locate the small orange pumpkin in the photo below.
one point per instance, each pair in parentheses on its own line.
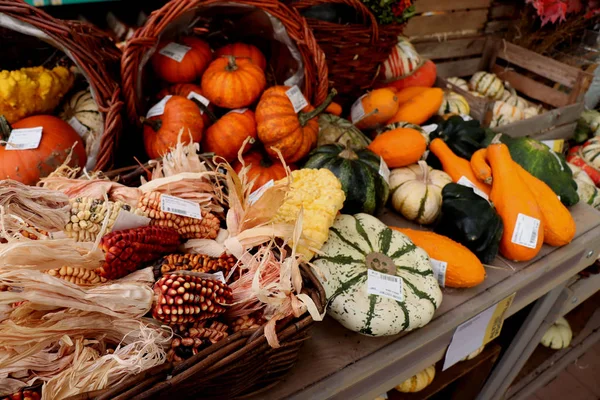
(399,147)
(279,126)
(379,106)
(184,90)
(226,136)
(161,132)
(28,166)
(242,50)
(231,83)
(262,168)
(190,68)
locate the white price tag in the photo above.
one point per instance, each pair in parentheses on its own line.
(297,98)
(385,285)
(24,139)
(175,205)
(357,112)
(158,108)
(430,128)
(466,117)
(175,51)
(200,98)
(128,220)
(238,111)
(257,194)
(466,182)
(81,129)
(555,145)
(439,271)
(384,171)
(526,231)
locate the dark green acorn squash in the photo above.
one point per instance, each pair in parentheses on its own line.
(358,171)
(470,220)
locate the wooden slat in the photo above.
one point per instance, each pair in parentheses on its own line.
(479,106)
(532,88)
(451,48)
(458,68)
(534,62)
(501,11)
(446,22)
(543,123)
(447,5)
(560,132)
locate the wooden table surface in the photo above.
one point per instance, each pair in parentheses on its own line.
(337,363)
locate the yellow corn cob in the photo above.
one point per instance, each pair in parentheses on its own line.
(319,192)
(30,91)
(87,217)
(78,276)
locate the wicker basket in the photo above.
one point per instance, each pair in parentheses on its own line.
(242,364)
(142,45)
(354,51)
(90,49)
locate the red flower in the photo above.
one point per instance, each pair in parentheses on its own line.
(401,6)
(550,10)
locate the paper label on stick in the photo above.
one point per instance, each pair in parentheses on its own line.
(466,182)
(430,128)
(158,108)
(477,332)
(24,139)
(128,220)
(357,112)
(384,171)
(257,194)
(78,126)
(439,271)
(200,98)
(175,205)
(297,98)
(238,111)
(175,51)
(526,231)
(385,285)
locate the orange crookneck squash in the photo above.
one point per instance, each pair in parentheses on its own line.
(162,132)
(279,126)
(420,107)
(262,168)
(480,167)
(190,68)
(408,93)
(233,83)
(28,166)
(425,75)
(227,135)
(242,50)
(399,147)
(376,108)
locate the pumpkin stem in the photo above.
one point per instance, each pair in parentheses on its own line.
(266,161)
(5,130)
(205,109)
(155,124)
(496,139)
(305,117)
(231,65)
(348,154)
(424,170)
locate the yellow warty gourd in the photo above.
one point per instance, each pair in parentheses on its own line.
(319,193)
(30,91)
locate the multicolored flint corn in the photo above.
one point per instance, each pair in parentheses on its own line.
(190,340)
(193,262)
(78,276)
(88,215)
(252,321)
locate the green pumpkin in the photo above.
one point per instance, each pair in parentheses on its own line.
(362,242)
(359,172)
(336,130)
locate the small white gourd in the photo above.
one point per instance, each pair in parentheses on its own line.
(586,189)
(454,103)
(487,84)
(558,336)
(417,382)
(504,113)
(461,83)
(473,354)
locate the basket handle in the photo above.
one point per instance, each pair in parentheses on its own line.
(362,10)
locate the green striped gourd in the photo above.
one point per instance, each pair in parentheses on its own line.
(586,189)
(361,175)
(454,103)
(487,84)
(461,83)
(512,98)
(362,242)
(89,122)
(591,151)
(504,113)
(336,130)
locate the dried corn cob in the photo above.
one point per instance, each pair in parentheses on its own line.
(78,276)
(188,228)
(193,262)
(87,217)
(194,338)
(23,395)
(125,251)
(187,298)
(252,321)
(33,236)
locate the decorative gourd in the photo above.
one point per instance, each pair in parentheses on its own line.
(558,336)
(463,137)
(161,132)
(84,109)
(530,112)
(574,157)
(226,136)
(590,152)
(459,82)
(231,83)
(470,220)
(425,75)
(279,126)
(454,103)
(417,382)
(586,189)
(403,60)
(362,242)
(397,125)
(588,125)
(503,113)
(559,225)
(336,130)
(463,268)
(408,93)
(487,84)
(28,166)
(262,168)
(378,106)
(184,90)
(474,354)
(417,192)
(242,50)
(480,167)
(190,68)
(510,97)
(516,205)
(358,171)
(458,168)
(399,147)
(419,108)
(334,109)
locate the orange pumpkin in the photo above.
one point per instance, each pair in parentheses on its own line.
(242,50)
(378,107)
(161,132)
(231,83)
(190,68)
(262,168)
(279,126)
(184,90)
(28,166)
(425,75)
(226,136)
(399,147)
(334,109)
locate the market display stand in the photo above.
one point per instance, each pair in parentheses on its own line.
(338,364)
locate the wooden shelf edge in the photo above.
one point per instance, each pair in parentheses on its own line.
(580,291)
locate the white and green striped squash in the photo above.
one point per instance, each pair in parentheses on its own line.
(586,189)
(512,98)
(487,84)
(591,151)
(461,83)
(503,114)
(357,243)
(454,103)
